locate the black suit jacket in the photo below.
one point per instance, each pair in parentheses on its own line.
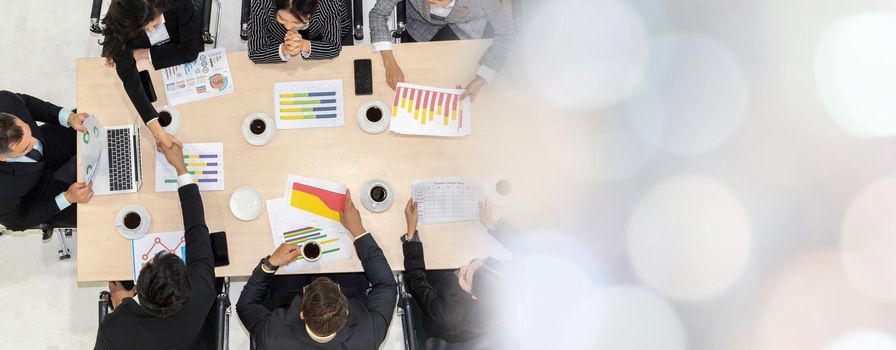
(367,323)
(129,327)
(26,189)
(184,25)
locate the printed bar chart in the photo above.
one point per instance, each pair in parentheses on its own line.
(309,104)
(424,110)
(204,161)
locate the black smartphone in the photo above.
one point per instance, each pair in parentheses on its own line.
(147,86)
(219,248)
(363,78)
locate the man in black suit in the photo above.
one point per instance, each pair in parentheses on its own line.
(37,163)
(320,316)
(175,299)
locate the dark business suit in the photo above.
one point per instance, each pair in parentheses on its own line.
(129,327)
(28,190)
(368,317)
(183,24)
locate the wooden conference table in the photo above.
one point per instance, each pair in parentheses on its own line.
(345,155)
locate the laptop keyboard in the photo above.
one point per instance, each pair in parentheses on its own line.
(120,178)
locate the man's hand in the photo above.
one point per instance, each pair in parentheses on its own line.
(118,293)
(485,215)
(141,54)
(79,193)
(76,120)
(163,138)
(394,75)
(473,88)
(410,215)
(351,218)
(175,156)
(284,254)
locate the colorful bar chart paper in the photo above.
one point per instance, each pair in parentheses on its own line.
(321,198)
(208,76)
(425,110)
(309,104)
(329,243)
(292,226)
(205,163)
(145,248)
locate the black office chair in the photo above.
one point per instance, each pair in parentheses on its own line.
(354,9)
(204,7)
(401,19)
(407,314)
(219,316)
(47,231)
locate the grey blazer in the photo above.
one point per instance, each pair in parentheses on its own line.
(467,19)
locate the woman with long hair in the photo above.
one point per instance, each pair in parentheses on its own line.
(282,29)
(165,32)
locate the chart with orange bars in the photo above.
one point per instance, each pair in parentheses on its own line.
(322,198)
(309,104)
(431,111)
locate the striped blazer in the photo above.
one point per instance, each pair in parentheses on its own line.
(467,19)
(325,30)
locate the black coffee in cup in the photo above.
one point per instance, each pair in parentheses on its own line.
(378,193)
(257,126)
(164,118)
(374,114)
(311,250)
(132,220)
(503,187)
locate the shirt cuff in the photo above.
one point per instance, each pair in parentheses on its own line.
(61,202)
(184,180)
(282,56)
(63,117)
(362,235)
(416,238)
(486,73)
(305,55)
(382,46)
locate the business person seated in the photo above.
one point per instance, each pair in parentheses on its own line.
(282,29)
(164,32)
(286,312)
(437,20)
(459,306)
(174,298)
(37,163)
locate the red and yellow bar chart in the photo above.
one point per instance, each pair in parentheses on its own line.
(425,110)
(308,104)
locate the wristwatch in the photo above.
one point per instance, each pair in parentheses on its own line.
(267,263)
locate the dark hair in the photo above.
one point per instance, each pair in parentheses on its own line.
(324,307)
(125,20)
(164,286)
(10,132)
(299,8)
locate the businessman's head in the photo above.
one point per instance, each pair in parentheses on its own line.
(164,285)
(294,14)
(324,307)
(15,137)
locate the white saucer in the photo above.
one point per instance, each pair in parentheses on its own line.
(266,136)
(140,230)
(374,206)
(176,122)
(246,203)
(369,126)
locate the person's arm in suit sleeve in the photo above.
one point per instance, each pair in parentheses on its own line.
(18,217)
(199,247)
(331,44)
(190,45)
(415,277)
(505,32)
(254,316)
(261,49)
(126,67)
(44,111)
(384,294)
(380,35)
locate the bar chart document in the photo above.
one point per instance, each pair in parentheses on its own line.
(204,161)
(447,199)
(323,199)
(206,77)
(309,104)
(430,111)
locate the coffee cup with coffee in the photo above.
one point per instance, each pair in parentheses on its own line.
(311,251)
(373,117)
(169,119)
(257,126)
(258,129)
(132,220)
(374,114)
(378,193)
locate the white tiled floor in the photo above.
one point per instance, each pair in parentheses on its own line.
(43,306)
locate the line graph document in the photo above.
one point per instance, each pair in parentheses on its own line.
(446,200)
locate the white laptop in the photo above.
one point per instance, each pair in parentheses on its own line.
(111,157)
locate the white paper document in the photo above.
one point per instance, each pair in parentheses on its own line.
(447,199)
(204,161)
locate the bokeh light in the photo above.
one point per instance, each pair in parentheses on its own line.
(856,74)
(694,95)
(869,240)
(867,340)
(689,237)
